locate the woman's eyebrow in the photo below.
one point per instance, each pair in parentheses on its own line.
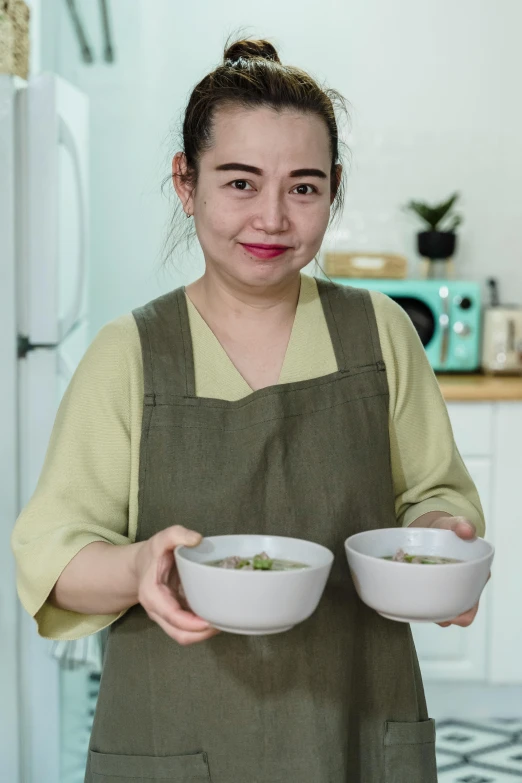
(259,172)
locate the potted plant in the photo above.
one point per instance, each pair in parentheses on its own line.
(439,241)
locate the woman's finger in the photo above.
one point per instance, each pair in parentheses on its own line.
(160,600)
(173,613)
(177,535)
(466,618)
(183,637)
(463,620)
(460,525)
(176,586)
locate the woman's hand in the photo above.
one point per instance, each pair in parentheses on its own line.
(159,587)
(464,529)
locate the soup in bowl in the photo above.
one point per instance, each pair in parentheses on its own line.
(253,584)
(416,574)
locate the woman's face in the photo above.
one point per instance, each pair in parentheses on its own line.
(265,181)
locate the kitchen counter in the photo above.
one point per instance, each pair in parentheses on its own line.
(477,388)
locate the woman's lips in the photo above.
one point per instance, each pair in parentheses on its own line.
(265,251)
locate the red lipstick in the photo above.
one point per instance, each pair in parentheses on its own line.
(265,251)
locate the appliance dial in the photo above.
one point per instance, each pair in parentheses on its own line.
(463,330)
(464,302)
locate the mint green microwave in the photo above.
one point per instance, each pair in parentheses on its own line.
(446,314)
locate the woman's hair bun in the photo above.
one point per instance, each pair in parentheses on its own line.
(247,50)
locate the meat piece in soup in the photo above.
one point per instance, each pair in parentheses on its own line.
(401,556)
(261,562)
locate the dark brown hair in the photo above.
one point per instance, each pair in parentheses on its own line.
(250,76)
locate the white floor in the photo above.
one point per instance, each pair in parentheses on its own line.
(479,751)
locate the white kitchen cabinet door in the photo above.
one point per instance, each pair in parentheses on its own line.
(456,653)
(505,633)
(473,427)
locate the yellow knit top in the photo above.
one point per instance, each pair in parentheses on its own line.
(88,487)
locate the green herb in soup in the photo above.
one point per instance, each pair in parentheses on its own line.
(401,556)
(261,562)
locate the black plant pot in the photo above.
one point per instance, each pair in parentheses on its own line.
(436,244)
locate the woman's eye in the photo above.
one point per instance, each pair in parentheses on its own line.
(240,184)
(302,190)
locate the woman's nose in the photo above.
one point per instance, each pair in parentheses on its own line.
(271,214)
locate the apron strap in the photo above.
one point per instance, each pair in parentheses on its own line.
(166,345)
(351,321)
(168,359)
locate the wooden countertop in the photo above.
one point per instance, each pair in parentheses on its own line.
(477,388)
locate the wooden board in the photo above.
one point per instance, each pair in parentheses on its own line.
(480,387)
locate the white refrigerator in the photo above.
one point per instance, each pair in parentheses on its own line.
(43,335)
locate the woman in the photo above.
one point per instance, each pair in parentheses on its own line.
(256,400)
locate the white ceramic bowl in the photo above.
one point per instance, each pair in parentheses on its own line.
(418,593)
(253,602)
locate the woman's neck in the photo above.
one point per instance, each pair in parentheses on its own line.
(253,328)
(225,303)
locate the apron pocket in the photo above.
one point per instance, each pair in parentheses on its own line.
(113,768)
(409,752)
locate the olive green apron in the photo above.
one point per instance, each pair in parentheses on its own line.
(337,699)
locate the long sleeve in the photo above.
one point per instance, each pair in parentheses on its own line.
(86,491)
(428,471)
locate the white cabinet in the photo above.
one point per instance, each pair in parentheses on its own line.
(505,628)
(489,438)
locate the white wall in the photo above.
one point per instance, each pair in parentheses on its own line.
(434,89)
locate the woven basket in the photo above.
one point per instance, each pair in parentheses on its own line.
(14,38)
(365,265)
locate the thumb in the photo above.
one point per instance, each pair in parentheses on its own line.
(460,525)
(182,536)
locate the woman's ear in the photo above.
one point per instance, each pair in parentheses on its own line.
(182,182)
(336,181)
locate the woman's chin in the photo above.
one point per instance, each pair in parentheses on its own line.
(268,274)
(249,271)
(268,271)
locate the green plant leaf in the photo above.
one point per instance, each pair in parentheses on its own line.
(422,210)
(441,210)
(433,215)
(455,223)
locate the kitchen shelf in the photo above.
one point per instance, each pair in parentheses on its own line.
(477,388)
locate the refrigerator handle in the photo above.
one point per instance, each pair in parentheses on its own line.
(68,322)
